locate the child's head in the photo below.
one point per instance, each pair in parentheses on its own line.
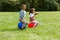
(32,10)
(23,6)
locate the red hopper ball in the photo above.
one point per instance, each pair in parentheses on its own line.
(31,25)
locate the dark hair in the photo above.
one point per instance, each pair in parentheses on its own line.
(31,10)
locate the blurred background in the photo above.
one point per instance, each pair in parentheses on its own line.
(40,5)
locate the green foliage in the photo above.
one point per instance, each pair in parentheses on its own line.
(40,5)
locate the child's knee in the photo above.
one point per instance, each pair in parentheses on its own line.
(25,22)
(36,22)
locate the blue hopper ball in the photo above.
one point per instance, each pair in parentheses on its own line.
(20,25)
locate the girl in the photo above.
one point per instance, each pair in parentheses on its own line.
(32,15)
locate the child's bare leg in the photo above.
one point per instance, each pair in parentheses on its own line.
(24,24)
(36,23)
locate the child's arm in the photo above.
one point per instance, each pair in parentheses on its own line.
(21,15)
(35,13)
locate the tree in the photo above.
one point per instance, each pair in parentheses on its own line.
(40,5)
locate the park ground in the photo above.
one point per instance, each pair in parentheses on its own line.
(48,28)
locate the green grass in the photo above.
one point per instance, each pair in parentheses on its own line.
(48,28)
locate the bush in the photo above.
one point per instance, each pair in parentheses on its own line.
(40,5)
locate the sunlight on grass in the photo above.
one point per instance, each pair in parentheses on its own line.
(48,28)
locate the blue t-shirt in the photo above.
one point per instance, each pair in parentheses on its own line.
(22,14)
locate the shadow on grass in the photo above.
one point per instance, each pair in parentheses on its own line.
(9,29)
(14,29)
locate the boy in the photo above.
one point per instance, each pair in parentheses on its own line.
(23,15)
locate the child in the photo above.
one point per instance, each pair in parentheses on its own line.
(23,15)
(32,15)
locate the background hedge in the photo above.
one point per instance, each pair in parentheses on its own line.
(40,5)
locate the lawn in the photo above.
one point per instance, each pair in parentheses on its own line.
(48,28)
